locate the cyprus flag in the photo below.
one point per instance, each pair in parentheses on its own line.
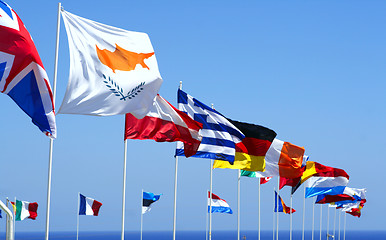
(112,71)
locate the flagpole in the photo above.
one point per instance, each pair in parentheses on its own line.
(238,204)
(51,140)
(291,219)
(124,190)
(304,210)
(334,221)
(313,221)
(320,228)
(344,228)
(175,197)
(210,198)
(339,225)
(259,208)
(277,209)
(141,213)
(328,220)
(274,214)
(175,190)
(77,218)
(206,207)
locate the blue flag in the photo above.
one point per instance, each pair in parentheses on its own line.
(219,136)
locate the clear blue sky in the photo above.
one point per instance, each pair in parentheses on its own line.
(313,71)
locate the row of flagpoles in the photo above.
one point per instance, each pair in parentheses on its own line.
(109,56)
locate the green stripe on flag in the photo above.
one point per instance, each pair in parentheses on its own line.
(19,207)
(247,173)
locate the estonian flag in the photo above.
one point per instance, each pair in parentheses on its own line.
(147,199)
(88,206)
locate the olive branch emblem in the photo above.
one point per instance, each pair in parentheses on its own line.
(118,91)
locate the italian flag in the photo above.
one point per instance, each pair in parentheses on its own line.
(23,210)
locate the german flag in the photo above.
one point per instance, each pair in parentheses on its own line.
(250,153)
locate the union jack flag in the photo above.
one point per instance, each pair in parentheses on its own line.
(22,75)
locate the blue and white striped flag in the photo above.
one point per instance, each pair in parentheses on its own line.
(219,136)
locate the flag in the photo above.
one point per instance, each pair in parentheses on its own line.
(22,75)
(283,159)
(356,210)
(251,151)
(112,71)
(219,136)
(147,199)
(292,182)
(329,182)
(280,206)
(253,175)
(23,210)
(265,180)
(165,123)
(349,195)
(88,206)
(218,204)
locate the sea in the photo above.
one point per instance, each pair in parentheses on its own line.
(200,235)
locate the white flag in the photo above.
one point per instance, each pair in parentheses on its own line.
(112,71)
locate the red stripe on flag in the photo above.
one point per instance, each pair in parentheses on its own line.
(33,210)
(95,207)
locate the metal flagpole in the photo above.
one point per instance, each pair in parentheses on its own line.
(304,210)
(124,190)
(259,209)
(344,228)
(77,218)
(141,212)
(328,220)
(51,140)
(206,223)
(210,198)
(277,209)
(238,204)
(175,190)
(313,220)
(320,228)
(274,215)
(291,218)
(334,222)
(175,198)
(339,225)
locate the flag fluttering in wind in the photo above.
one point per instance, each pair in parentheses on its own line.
(22,75)
(349,195)
(112,71)
(23,210)
(219,136)
(283,159)
(253,175)
(88,206)
(280,205)
(147,199)
(251,151)
(165,123)
(320,179)
(351,207)
(218,204)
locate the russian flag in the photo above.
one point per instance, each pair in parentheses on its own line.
(88,206)
(218,204)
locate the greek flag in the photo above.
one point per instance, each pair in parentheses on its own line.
(219,136)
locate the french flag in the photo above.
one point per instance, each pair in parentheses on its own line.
(88,206)
(218,204)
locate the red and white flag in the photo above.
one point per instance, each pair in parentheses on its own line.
(165,123)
